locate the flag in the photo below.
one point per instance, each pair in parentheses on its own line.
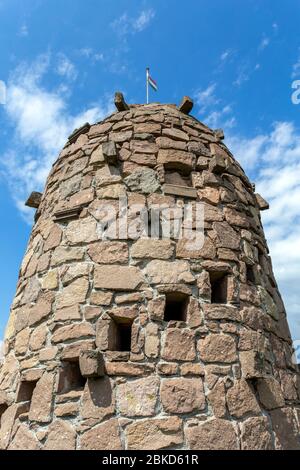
(152,83)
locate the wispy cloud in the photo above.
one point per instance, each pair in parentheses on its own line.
(23,30)
(226,55)
(91,54)
(42,121)
(143,20)
(221,117)
(215,112)
(264,43)
(273,159)
(125,25)
(243,75)
(66,68)
(206,97)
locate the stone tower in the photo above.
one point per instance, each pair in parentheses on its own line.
(118,341)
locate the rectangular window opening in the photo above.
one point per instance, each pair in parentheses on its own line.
(218,282)
(177,176)
(70,377)
(250,275)
(176,307)
(123,337)
(25,391)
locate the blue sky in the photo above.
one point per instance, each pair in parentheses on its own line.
(62,61)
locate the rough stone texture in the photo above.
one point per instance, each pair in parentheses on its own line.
(179,345)
(62,436)
(218,348)
(157,249)
(91,363)
(153,434)
(24,439)
(41,403)
(117,277)
(98,401)
(241,399)
(119,341)
(285,429)
(103,437)
(138,398)
(270,393)
(255,434)
(215,434)
(182,395)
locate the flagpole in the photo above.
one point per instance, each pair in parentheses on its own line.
(147,84)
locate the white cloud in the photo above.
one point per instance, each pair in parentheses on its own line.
(226,55)
(220,118)
(264,43)
(143,20)
(125,25)
(242,76)
(206,98)
(42,122)
(216,114)
(23,30)
(273,162)
(91,54)
(65,68)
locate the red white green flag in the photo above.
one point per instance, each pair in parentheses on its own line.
(152,83)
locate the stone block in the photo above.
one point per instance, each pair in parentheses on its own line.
(34,200)
(256,434)
(213,434)
(218,348)
(154,434)
(117,277)
(61,436)
(120,102)
(252,364)
(91,363)
(138,397)
(179,345)
(186,105)
(41,402)
(241,399)
(105,436)
(270,394)
(143,180)
(151,248)
(182,395)
(177,159)
(110,153)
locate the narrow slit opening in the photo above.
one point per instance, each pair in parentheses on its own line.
(218,282)
(123,337)
(250,275)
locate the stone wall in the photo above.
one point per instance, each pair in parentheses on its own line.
(219,375)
